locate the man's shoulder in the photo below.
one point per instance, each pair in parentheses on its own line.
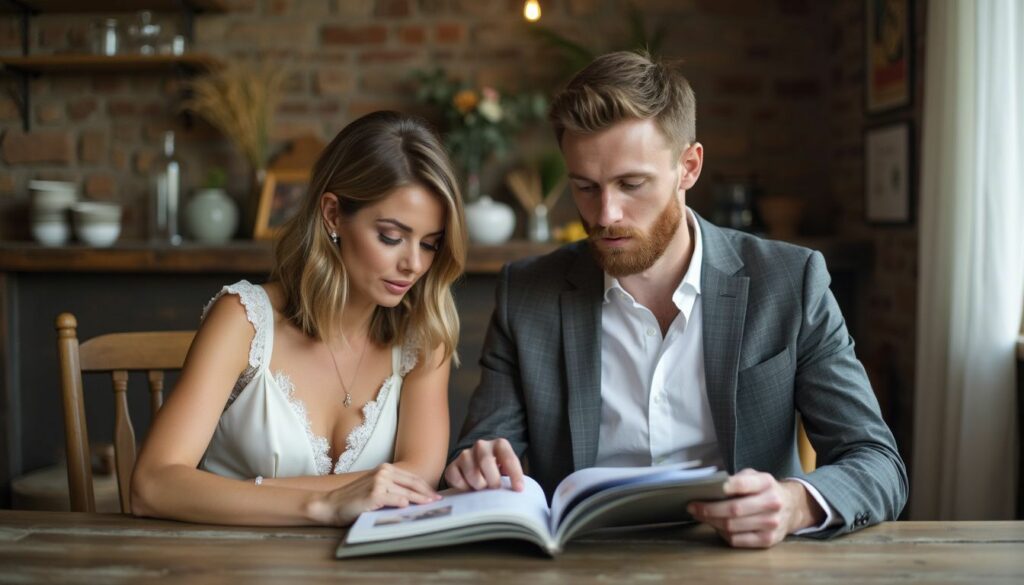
(762,254)
(551,267)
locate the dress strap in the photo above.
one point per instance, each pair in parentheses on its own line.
(259,312)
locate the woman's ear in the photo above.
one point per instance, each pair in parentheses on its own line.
(331,211)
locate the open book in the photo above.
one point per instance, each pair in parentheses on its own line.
(597,497)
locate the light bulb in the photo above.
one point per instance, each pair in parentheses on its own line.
(531,10)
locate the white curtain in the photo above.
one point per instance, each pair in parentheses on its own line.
(971,262)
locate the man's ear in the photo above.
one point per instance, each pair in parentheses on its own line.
(691,160)
(330,210)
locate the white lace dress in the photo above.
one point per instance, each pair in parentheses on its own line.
(264,430)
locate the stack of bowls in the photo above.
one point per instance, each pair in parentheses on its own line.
(50,203)
(97,224)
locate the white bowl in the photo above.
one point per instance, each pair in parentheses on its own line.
(51,233)
(93,212)
(53,195)
(100,235)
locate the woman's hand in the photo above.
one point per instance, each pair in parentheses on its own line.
(386,485)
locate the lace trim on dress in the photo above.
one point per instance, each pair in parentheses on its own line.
(359,436)
(320,445)
(259,315)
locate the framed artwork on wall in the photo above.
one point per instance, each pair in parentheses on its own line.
(888,54)
(280,199)
(888,177)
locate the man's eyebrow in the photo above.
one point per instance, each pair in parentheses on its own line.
(626,175)
(404,227)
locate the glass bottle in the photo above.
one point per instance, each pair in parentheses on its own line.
(167,194)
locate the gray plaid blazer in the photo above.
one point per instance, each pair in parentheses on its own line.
(775,343)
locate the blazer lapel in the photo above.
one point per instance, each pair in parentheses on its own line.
(724,306)
(581,334)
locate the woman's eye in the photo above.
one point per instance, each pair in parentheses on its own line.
(431,247)
(389,241)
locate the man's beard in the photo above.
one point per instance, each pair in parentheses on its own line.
(647,247)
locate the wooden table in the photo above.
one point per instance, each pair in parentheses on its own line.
(92,548)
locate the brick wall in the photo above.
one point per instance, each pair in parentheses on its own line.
(779,86)
(891,300)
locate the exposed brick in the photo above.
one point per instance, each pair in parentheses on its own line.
(334,81)
(93,146)
(294,108)
(387,56)
(269,34)
(81,108)
(478,8)
(122,107)
(46,146)
(49,113)
(108,84)
(739,85)
(10,34)
(233,6)
(329,108)
(144,160)
(358,108)
(52,34)
(449,33)
(412,35)
(101,186)
(7,184)
(8,110)
(356,8)
(797,88)
(354,35)
(126,132)
(579,7)
(119,158)
(393,8)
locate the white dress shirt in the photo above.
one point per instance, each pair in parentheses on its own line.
(654,400)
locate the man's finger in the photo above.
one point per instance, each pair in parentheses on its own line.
(453,476)
(759,503)
(747,483)
(488,467)
(509,463)
(470,472)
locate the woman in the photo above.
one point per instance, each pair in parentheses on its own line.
(280,415)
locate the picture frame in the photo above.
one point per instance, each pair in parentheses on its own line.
(888,174)
(280,198)
(889,54)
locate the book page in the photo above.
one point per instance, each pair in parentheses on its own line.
(457,509)
(580,484)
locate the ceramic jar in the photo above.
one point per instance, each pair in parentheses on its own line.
(211,216)
(489,222)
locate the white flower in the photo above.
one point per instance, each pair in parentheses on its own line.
(491,110)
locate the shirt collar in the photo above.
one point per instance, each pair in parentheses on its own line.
(690,281)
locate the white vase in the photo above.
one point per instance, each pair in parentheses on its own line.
(489,222)
(211,216)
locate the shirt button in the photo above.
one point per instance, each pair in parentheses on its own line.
(651,332)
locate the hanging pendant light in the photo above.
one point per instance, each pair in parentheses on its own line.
(531,10)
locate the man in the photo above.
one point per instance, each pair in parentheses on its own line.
(664,339)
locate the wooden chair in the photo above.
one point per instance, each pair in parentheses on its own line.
(117,354)
(808,458)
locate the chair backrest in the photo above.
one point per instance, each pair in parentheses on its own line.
(808,458)
(118,354)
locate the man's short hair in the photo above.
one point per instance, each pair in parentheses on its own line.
(627,85)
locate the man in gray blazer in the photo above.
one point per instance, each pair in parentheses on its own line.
(664,339)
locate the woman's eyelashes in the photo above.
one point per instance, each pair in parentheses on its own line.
(389,241)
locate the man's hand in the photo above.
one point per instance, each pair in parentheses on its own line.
(482,465)
(761,511)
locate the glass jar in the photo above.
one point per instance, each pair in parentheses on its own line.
(106,37)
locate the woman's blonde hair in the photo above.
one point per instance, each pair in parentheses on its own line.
(367,161)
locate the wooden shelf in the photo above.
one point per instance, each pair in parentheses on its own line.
(73,63)
(241,257)
(92,6)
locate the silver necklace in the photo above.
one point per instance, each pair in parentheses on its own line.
(348,395)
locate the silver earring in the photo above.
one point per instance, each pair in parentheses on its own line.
(334,238)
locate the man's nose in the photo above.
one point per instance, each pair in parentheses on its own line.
(610,212)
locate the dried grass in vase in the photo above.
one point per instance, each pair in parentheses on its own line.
(527,187)
(240,99)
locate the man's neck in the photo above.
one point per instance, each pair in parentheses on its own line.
(654,287)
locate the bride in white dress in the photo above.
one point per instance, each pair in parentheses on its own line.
(323,393)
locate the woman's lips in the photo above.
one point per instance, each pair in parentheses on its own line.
(397,286)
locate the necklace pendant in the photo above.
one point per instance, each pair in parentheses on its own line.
(348,400)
